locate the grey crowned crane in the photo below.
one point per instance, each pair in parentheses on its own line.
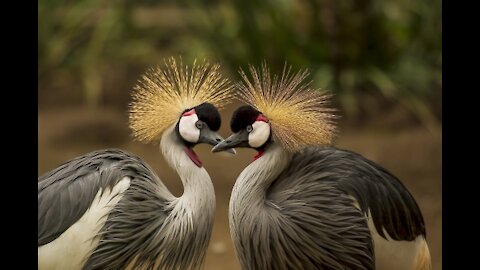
(109,210)
(303,204)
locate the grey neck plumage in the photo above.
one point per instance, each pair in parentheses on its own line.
(198,187)
(189,224)
(253,182)
(249,194)
(251,186)
(196,207)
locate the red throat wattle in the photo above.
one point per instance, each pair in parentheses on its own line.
(193,156)
(259,154)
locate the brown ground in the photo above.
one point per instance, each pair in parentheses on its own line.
(412,154)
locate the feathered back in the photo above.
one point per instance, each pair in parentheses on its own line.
(298,113)
(162,94)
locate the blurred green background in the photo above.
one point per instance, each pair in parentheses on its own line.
(372,54)
(382,60)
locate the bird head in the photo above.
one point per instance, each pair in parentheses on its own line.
(251,129)
(199,125)
(187,98)
(281,110)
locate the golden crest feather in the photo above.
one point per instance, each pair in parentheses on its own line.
(162,94)
(298,114)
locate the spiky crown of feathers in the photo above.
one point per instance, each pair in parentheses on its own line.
(162,94)
(298,113)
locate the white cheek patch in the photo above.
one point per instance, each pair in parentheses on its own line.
(259,134)
(187,128)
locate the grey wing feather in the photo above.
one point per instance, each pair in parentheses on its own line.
(65,193)
(320,228)
(391,205)
(134,227)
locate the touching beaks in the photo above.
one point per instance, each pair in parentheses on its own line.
(239,139)
(213,138)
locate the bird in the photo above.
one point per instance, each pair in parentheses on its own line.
(303,203)
(109,210)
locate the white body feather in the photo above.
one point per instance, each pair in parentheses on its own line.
(74,246)
(396,255)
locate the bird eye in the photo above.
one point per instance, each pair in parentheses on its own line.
(199,125)
(249,128)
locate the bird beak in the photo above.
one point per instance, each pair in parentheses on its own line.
(239,139)
(210,137)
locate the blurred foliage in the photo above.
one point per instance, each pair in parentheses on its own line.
(93,51)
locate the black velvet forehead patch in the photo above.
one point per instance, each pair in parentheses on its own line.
(242,117)
(210,115)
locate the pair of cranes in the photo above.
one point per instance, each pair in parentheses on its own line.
(301,204)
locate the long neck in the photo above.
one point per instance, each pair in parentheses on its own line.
(198,198)
(249,196)
(252,184)
(195,179)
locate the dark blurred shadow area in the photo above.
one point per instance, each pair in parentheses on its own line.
(381,60)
